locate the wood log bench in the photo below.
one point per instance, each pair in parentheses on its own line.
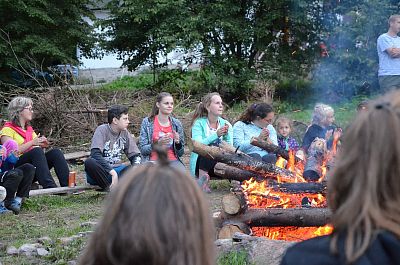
(62,190)
(77,157)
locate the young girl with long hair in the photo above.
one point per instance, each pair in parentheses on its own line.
(255,121)
(209,128)
(160,127)
(157,215)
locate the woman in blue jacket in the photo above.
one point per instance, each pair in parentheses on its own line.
(209,128)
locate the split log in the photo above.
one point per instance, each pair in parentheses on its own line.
(234,203)
(242,161)
(316,156)
(62,190)
(302,217)
(271,148)
(228,172)
(3,193)
(229,229)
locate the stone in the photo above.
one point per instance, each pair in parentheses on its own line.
(88,224)
(85,233)
(44,240)
(29,249)
(11,250)
(42,252)
(68,240)
(72,262)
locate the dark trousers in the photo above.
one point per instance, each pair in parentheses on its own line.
(98,174)
(43,163)
(17,182)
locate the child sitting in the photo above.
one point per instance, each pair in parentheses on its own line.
(322,126)
(285,127)
(17,182)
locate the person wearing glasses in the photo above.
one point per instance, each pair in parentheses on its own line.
(30,145)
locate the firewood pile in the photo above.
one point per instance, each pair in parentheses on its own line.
(67,115)
(270,197)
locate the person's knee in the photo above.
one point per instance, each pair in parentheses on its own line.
(90,163)
(55,154)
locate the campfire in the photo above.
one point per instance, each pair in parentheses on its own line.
(286,201)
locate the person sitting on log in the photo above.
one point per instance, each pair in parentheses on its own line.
(157,215)
(109,141)
(162,128)
(30,145)
(285,141)
(16,181)
(208,127)
(363,194)
(322,126)
(255,121)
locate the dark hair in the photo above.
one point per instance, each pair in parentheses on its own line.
(115,112)
(156,215)
(201,109)
(159,98)
(255,110)
(364,189)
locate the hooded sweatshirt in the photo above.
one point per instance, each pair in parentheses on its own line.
(384,250)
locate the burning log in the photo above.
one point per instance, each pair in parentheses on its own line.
(316,156)
(242,161)
(271,148)
(234,203)
(228,172)
(302,187)
(302,217)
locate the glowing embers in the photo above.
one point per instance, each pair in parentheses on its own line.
(291,193)
(291,233)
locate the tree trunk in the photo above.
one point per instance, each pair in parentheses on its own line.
(302,217)
(242,161)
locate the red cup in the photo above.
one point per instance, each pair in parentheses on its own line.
(72,179)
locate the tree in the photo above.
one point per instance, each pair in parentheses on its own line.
(44,31)
(230,34)
(351,62)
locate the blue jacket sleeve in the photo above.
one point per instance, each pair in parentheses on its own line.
(145,140)
(180,148)
(240,139)
(198,134)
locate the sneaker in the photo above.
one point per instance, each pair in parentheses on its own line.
(13,205)
(203,183)
(4,210)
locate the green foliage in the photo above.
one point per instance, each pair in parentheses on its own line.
(351,31)
(225,37)
(40,33)
(138,82)
(233,258)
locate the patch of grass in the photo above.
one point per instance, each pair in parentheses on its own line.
(234,258)
(138,82)
(220,185)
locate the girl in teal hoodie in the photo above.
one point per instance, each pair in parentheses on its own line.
(208,127)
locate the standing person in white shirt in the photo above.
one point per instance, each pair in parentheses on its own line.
(388,46)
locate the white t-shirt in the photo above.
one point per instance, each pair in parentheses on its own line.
(387,64)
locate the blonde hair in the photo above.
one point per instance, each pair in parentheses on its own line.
(320,113)
(364,189)
(201,109)
(16,106)
(283,119)
(156,215)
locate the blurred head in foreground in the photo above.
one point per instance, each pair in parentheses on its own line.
(156,215)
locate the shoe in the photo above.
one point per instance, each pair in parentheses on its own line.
(203,183)
(35,186)
(4,210)
(13,205)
